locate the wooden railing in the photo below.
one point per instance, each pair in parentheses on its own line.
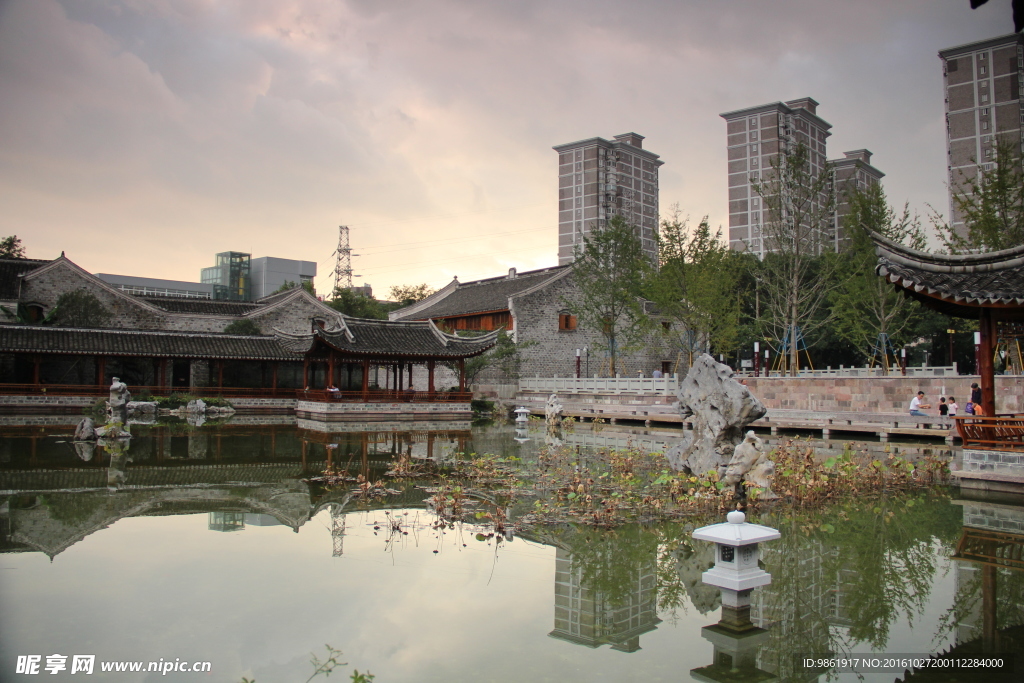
(385,396)
(996,433)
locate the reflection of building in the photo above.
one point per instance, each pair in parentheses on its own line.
(226,521)
(983,106)
(590,617)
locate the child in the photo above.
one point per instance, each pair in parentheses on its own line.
(952,407)
(943,408)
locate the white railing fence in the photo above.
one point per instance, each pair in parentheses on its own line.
(601,385)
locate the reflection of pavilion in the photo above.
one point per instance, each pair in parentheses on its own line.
(593,618)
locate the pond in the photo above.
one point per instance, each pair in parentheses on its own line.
(207,545)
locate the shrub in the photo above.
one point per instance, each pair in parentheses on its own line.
(244,327)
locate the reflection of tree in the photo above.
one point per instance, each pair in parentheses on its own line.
(870,564)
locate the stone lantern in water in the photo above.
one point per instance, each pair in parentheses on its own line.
(736,573)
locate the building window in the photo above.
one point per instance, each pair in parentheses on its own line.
(566,322)
(753,135)
(984,97)
(753,149)
(984,125)
(982,71)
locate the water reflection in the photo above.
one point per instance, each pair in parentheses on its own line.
(866,576)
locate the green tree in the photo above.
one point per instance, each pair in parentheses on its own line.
(288,284)
(243,326)
(506,356)
(410,294)
(696,287)
(797,274)
(609,273)
(866,305)
(991,205)
(80,308)
(356,305)
(11,247)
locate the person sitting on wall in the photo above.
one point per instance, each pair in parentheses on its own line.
(917,405)
(657,374)
(333,391)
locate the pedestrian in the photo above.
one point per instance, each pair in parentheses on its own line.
(953,407)
(943,408)
(917,405)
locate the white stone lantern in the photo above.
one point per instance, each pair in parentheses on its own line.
(736,571)
(522,414)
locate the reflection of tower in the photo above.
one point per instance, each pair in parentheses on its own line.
(226,521)
(337,530)
(587,616)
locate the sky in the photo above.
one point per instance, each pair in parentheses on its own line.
(141,137)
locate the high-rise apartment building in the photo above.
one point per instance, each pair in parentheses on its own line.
(852,173)
(599,179)
(983,82)
(755,136)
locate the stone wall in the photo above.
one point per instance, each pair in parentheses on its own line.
(878,394)
(554,353)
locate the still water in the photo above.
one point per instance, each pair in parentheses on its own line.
(206,545)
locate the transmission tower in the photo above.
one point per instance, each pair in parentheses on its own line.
(343,266)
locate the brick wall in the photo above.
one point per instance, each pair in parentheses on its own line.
(878,394)
(536,319)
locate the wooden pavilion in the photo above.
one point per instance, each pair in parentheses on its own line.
(989,288)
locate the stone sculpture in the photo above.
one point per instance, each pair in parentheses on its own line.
(86,430)
(117,404)
(719,409)
(553,411)
(749,463)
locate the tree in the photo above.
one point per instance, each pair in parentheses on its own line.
(609,272)
(80,308)
(410,294)
(867,306)
(11,247)
(356,305)
(288,284)
(991,204)
(696,286)
(243,326)
(506,355)
(797,273)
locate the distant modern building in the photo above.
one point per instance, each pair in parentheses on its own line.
(755,136)
(982,84)
(599,179)
(147,286)
(267,274)
(239,277)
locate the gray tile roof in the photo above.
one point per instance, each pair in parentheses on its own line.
(964,280)
(174,304)
(65,340)
(482,295)
(399,338)
(10,269)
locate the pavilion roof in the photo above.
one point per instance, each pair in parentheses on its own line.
(406,339)
(959,284)
(146,343)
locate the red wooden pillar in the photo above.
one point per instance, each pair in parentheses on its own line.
(989,632)
(273,377)
(366,377)
(220,374)
(430,376)
(462,374)
(305,373)
(410,375)
(101,371)
(988,390)
(35,371)
(399,377)
(330,370)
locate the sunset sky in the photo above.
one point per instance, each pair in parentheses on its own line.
(144,136)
